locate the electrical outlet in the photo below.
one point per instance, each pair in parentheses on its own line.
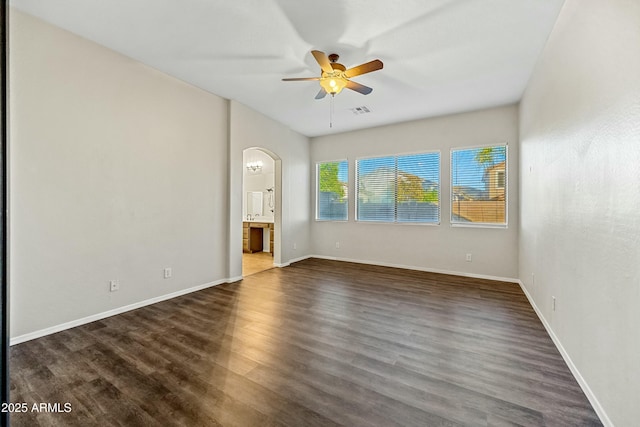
(167,273)
(337,245)
(553,303)
(114,285)
(295,246)
(468,257)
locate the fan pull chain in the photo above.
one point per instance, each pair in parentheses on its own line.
(331,113)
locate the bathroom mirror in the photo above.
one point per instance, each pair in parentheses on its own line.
(254,203)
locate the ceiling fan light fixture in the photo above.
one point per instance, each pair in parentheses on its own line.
(333,85)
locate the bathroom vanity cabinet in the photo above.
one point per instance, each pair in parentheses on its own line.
(253,236)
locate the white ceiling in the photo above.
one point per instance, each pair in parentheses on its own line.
(440,56)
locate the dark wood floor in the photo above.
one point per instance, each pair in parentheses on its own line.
(319,343)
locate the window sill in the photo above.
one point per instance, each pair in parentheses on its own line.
(398,223)
(477,225)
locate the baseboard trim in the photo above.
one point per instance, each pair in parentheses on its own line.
(604,418)
(412,267)
(72,324)
(291,261)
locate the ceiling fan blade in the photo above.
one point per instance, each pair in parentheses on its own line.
(299,79)
(323,61)
(365,90)
(367,67)
(321,94)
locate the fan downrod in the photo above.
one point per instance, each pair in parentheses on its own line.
(334,57)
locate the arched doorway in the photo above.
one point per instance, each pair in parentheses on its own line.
(261,210)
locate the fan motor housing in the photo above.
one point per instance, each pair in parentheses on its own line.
(333,58)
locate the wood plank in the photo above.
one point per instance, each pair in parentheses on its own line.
(317,343)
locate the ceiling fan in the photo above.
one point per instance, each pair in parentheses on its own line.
(335,77)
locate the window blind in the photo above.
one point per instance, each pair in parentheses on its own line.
(478,185)
(418,188)
(399,188)
(376,184)
(332,191)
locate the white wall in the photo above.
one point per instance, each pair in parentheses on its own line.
(117,171)
(437,248)
(250,129)
(580,192)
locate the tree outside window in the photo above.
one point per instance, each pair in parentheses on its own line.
(332,191)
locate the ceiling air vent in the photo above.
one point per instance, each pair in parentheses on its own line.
(360,110)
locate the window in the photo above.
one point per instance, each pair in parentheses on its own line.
(332,191)
(478,185)
(399,188)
